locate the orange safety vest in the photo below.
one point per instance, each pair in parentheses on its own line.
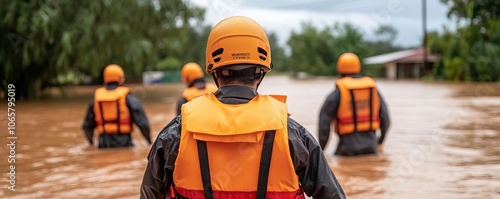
(111,112)
(229,150)
(359,105)
(193,92)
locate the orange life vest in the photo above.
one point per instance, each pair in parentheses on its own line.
(225,150)
(193,92)
(359,105)
(111,112)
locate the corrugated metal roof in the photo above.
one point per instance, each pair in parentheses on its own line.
(389,57)
(418,57)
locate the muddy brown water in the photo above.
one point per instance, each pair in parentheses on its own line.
(444,142)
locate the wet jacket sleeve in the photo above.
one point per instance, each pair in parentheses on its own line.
(315,175)
(179,104)
(327,115)
(139,116)
(161,159)
(89,123)
(385,121)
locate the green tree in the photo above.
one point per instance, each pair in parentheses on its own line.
(470,53)
(278,53)
(308,47)
(44,40)
(316,50)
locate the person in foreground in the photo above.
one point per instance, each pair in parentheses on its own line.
(113,112)
(236,143)
(193,77)
(357,110)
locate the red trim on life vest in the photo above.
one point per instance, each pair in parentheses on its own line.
(123,121)
(195,194)
(360,119)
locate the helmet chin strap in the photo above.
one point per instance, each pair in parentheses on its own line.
(262,74)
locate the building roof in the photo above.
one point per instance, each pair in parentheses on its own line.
(404,56)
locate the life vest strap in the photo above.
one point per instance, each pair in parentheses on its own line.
(205,169)
(371,106)
(354,110)
(102,118)
(118,115)
(118,121)
(265,164)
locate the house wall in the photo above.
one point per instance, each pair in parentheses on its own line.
(391,72)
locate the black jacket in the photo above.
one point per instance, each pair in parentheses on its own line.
(359,143)
(311,167)
(138,117)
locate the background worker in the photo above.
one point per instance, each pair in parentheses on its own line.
(357,110)
(113,112)
(236,143)
(193,78)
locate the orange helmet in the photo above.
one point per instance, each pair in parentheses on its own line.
(190,72)
(348,63)
(237,40)
(114,73)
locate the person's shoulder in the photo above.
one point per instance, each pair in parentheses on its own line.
(132,97)
(294,127)
(298,134)
(292,123)
(171,130)
(100,88)
(370,78)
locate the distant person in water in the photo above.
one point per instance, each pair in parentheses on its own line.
(193,77)
(113,111)
(357,110)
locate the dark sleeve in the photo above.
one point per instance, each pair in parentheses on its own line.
(161,159)
(326,116)
(385,121)
(139,116)
(315,175)
(89,123)
(181,101)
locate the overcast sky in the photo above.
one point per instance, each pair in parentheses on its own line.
(283,17)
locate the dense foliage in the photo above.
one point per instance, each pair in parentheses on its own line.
(470,53)
(57,42)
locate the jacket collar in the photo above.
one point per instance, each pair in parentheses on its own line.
(235,94)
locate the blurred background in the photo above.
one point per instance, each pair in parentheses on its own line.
(437,64)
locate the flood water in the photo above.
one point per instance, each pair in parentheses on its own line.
(444,142)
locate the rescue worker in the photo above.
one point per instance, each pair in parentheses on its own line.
(236,143)
(357,110)
(193,77)
(113,112)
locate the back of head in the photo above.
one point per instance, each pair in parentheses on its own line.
(191,71)
(348,64)
(114,73)
(238,46)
